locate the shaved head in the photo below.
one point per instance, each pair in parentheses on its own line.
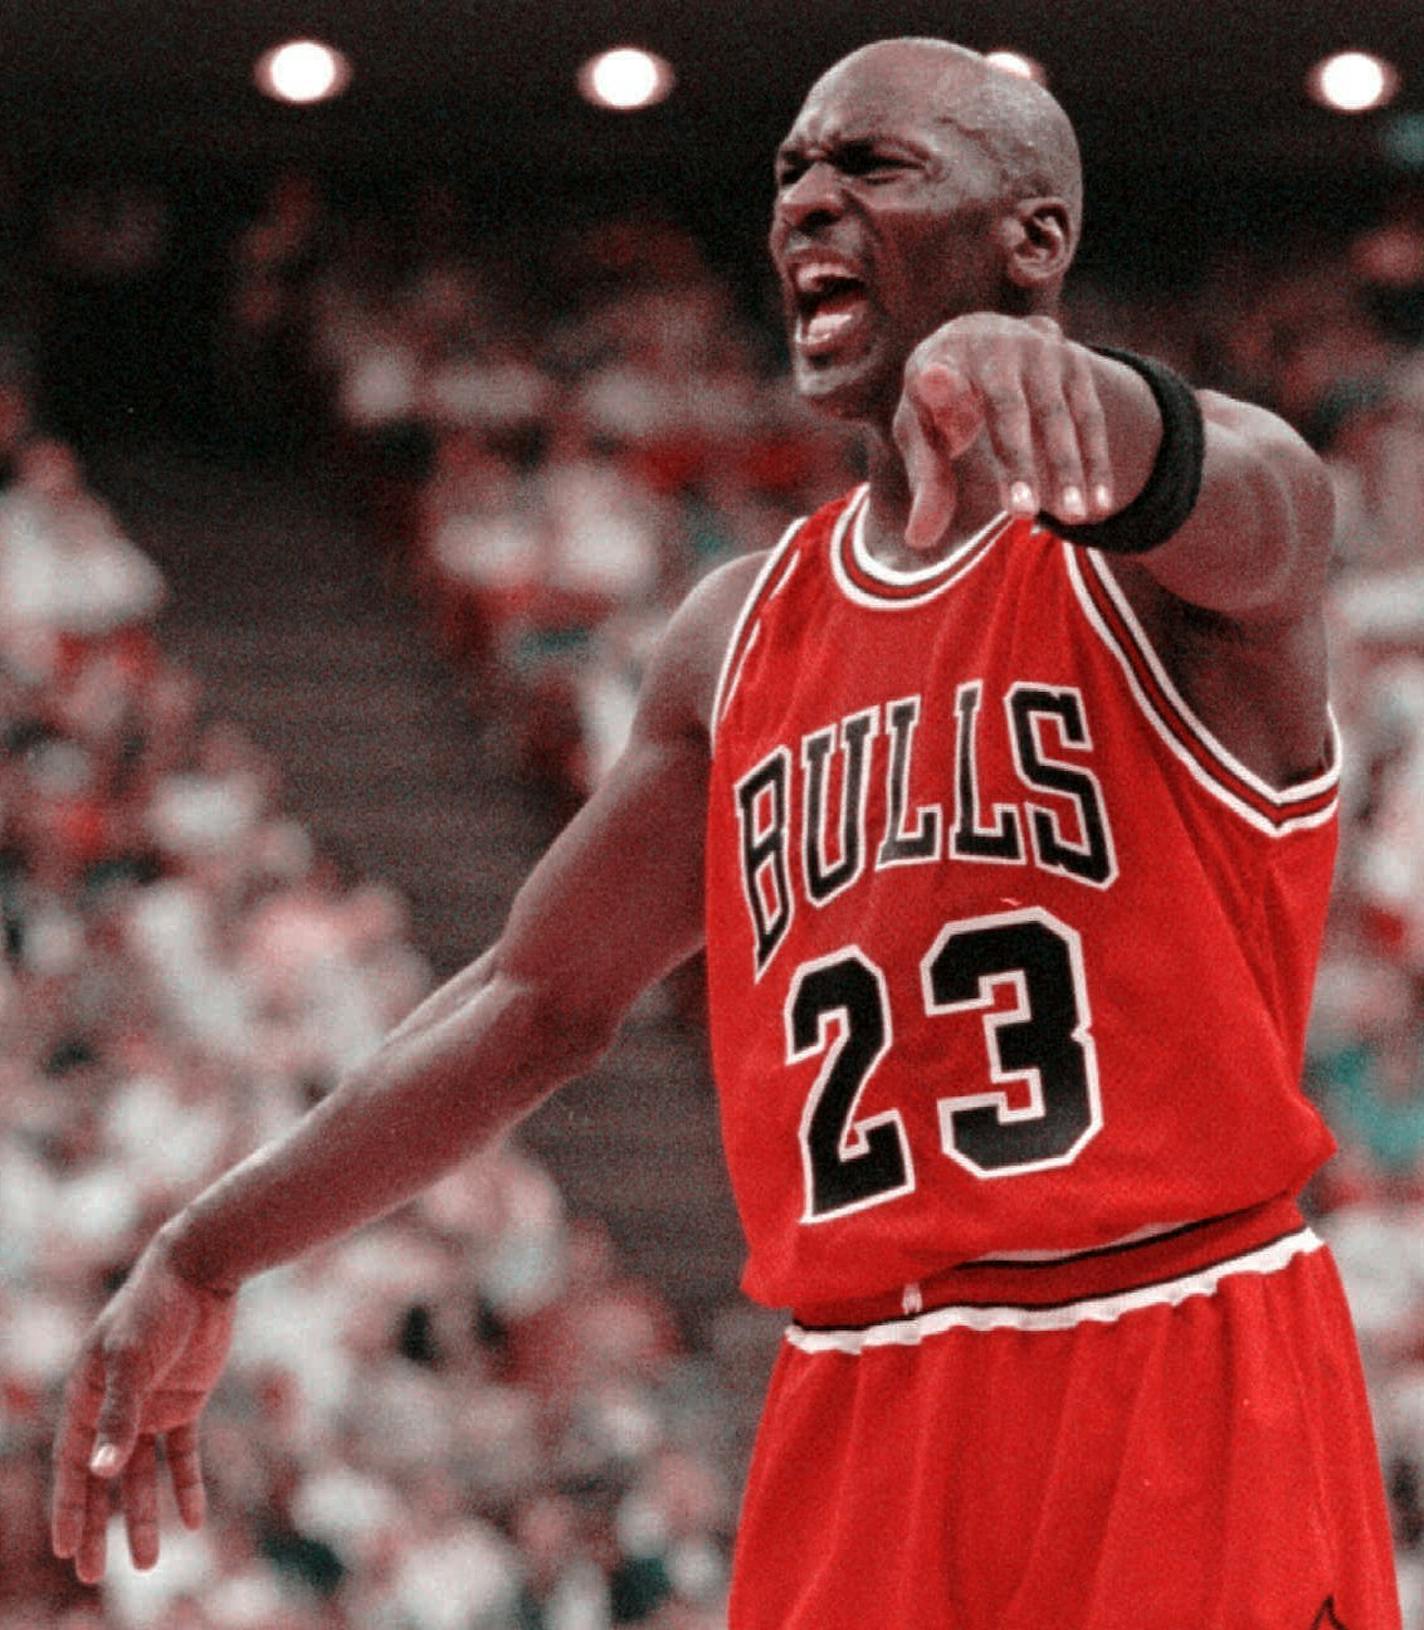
(917,183)
(1021,130)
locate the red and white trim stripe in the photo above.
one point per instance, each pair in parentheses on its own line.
(746,631)
(1267,808)
(909,1332)
(867,582)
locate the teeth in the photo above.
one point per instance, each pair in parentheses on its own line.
(815,276)
(823,328)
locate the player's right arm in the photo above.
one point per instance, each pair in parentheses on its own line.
(614,904)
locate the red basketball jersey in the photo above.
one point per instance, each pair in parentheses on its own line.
(1007,954)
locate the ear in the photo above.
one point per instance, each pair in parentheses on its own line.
(1038,242)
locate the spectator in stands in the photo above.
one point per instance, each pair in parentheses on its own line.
(68,576)
(1372,1088)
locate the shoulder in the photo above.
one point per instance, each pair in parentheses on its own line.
(681,684)
(1233,604)
(686,672)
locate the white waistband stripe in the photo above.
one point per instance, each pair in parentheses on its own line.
(1097,1310)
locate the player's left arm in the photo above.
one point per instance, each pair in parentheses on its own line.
(1255,546)
(1076,434)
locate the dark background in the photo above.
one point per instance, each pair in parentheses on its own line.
(1197,130)
(1194,116)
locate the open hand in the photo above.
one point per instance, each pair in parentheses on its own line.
(145,1371)
(1030,393)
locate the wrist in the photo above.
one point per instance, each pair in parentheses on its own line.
(1173,483)
(180,1248)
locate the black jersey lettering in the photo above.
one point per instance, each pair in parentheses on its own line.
(763,796)
(903,843)
(970,840)
(826,878)
(1088,856)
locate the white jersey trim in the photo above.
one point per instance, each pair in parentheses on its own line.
(909,1332)
(725,684)
(1281,798)
(935,578)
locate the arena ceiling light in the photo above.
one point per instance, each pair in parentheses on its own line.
(1353,82)
(625,78)
(302,71)
(1015,62)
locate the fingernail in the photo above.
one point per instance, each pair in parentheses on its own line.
(1102,497)
(1073,506)
(104,1459)
(1021,498)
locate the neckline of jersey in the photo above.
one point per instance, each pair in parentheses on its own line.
(906,585)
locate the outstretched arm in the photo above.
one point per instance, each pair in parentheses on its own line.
(1232,600)
(613,905)
(1075,433)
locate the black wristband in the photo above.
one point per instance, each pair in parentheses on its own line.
(1175,480)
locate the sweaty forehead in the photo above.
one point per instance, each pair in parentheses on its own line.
(895,89)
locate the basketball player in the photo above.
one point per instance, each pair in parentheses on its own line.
(1003,791)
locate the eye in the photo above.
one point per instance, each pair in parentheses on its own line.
(861,159)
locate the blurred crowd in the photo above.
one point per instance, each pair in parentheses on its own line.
(552,476)
(468,1418)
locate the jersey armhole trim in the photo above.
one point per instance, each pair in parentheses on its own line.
(743,631)
(1269,809)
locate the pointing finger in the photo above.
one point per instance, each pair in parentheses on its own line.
(71,1491)
(71,1488)
(69,1458)
(928,472)
(947,406)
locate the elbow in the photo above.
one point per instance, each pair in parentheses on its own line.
(497,1041)
(1257,547)
(553,1028)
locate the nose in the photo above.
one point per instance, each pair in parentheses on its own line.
(812,198)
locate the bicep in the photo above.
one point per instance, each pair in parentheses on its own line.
(616,902)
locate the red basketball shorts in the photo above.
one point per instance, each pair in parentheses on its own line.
(1174,1436)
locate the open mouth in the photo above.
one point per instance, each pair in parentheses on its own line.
(831,302)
